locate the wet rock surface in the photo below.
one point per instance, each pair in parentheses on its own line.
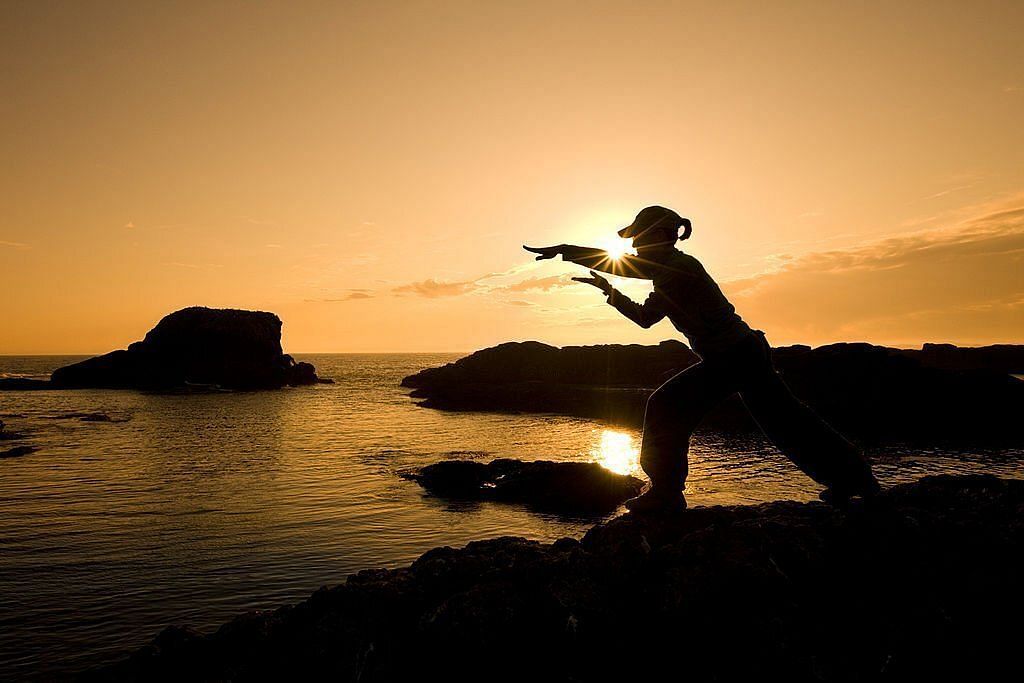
(939,394)
(226,348)
(17,451)
(6,434)
(922,583)
(97,416)
(568,487)
(11,436)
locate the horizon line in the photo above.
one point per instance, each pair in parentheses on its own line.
(902,346)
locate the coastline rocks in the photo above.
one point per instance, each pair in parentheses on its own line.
(940,394)
(98,416)
(914,585)
(566,487)
(23,384)
(227,348)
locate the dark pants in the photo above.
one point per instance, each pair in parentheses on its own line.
(676,408)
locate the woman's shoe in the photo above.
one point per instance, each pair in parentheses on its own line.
(840,496)
(656,501)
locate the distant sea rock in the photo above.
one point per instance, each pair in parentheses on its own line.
(938,394)
(23,384)
(6,435)
(17,452)
(227,348)
(567,487)
(921,584)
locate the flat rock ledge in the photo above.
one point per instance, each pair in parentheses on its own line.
(566,487)
(939,394)
(922,583)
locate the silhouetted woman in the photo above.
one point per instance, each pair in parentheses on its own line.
(734,358)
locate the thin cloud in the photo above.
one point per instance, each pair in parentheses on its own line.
(514,270)
(943,193)
(354,296)
(542,284)
(193,266)
(258,221)
(433,289)
(14,245)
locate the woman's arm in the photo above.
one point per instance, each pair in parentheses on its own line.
(595,259)
(646,314)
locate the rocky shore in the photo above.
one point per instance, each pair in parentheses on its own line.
(922,583)
(937,394)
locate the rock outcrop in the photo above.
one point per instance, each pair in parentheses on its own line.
(566,487)
(17,452)
(936,395)
(7,435)
(226,348)
(922,583)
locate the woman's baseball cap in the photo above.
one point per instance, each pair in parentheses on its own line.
(655,217)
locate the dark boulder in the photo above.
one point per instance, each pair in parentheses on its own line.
(98,416)
(302,373)
(567,487)
(8,435)
(17,452)
(872,393)
(922,583)
(196,346)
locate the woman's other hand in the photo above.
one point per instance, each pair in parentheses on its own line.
(597,281)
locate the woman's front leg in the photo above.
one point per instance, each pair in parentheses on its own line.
(674,410)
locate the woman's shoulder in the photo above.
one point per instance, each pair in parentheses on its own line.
(682,265)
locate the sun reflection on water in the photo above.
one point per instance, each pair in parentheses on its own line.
(617,451)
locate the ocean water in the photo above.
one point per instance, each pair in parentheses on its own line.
(190,509)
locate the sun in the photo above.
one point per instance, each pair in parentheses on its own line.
(616,247)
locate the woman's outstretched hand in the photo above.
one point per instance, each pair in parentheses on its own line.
(597,281)
(545,252)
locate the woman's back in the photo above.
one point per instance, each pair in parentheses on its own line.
(695,304)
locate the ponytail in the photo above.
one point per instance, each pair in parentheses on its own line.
(687,229)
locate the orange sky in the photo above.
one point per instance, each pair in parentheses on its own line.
(369,170)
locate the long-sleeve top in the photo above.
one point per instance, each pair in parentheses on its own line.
(683,291)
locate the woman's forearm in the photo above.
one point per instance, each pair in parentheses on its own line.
(571,252)
(598,259)
(589,257)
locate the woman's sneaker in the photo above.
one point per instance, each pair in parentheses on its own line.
(656,501)
(840,497)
